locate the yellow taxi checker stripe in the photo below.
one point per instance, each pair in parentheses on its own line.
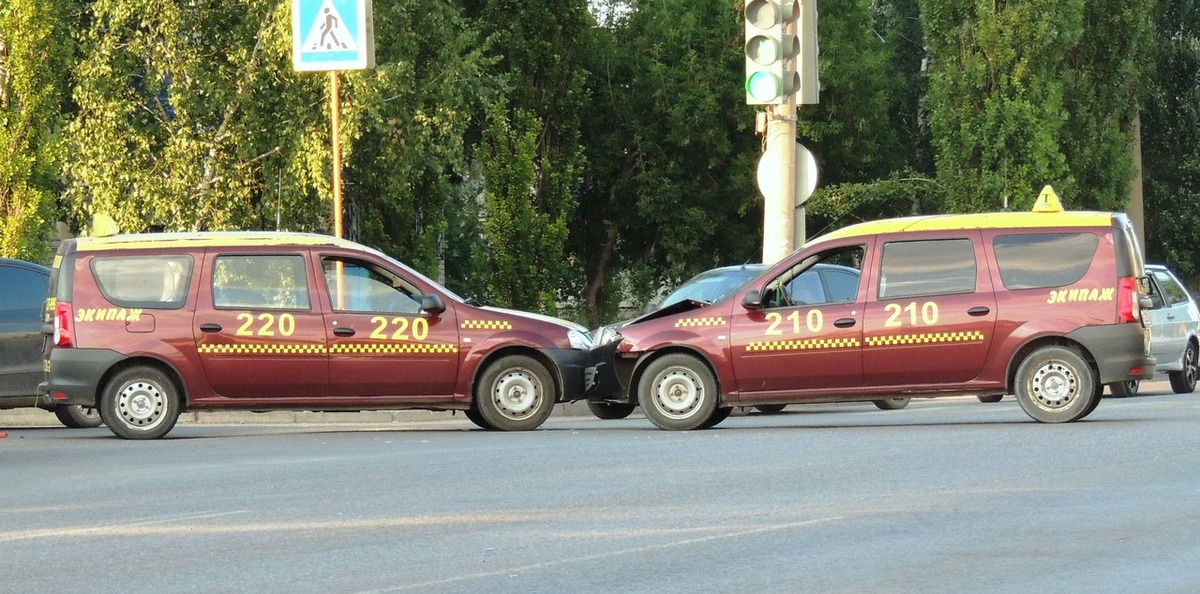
(392,348)
(262,349)
(486,325)
(695,322)
(803,345)
(925,338)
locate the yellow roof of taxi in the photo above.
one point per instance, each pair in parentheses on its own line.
(143,241)
(982,220)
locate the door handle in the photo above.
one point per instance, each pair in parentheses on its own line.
(343,331)
(844,322)
(210,327)
(979,310)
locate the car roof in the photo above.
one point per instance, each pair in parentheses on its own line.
(24,264)
(208,239)
(990,220)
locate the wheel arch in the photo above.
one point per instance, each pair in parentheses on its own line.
(517,349)
(640,368)
(1018,357)
(166,368)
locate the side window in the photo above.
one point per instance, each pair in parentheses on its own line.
(927,267)
(809,282)
(151,282)
(260,282)
(1172,292)
(22,294)
(1025,263)
(356,286)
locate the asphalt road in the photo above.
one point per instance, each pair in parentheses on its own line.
(944,496)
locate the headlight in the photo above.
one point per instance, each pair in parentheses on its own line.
(605,335)
(579,340)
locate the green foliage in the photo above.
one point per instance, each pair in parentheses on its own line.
(1170,142)
(35,53)
(524,240)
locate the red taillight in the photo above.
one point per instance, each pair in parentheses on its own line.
(64,325)
(1127,300)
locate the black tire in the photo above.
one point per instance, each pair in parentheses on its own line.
(677,392)
(474,416)
(1055,385)
(770,408)
(1124,389)
(77,416)
(991,398)
(515,393)
(891,403)
(140,403)
(1184,382)
(611,411)
(718,415)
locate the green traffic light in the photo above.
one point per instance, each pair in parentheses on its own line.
(763,86)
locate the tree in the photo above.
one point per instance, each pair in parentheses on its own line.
(36,51)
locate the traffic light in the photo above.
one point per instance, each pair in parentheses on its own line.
(772,45)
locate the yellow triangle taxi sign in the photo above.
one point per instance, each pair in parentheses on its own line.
(1047,201)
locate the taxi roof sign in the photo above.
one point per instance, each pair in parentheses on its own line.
(1047,201)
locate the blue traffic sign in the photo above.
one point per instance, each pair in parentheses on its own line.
(332,35)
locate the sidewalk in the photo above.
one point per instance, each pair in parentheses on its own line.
(35,417)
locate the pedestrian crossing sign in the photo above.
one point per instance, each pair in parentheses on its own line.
(332,35)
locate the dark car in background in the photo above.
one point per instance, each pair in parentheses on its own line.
(23,292)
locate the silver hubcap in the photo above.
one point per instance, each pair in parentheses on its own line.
(1189,366)
(141,404)
(678,392)
(1054,385)
(517,393)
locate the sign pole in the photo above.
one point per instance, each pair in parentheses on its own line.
(335,110)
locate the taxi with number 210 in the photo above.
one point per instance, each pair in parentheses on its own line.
(147,326)
(1047,305)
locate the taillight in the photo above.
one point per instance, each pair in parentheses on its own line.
(1127,300)
(64,325)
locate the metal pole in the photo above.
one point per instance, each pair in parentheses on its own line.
(335,111)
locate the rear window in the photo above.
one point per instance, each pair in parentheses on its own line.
(927,267)
(1041,260)
(150,282)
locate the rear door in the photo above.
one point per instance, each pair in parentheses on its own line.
(932,312)
(23,292)
(258,327)
(381,343)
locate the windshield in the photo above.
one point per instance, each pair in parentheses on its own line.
(713,285)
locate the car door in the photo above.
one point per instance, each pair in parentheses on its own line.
(930,314)
(799,339)
(23,291)
(381,340)
(1169,317)
(259,331)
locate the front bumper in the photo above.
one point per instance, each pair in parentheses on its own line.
(573,369)
(607,373)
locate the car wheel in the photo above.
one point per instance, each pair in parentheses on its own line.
(891,403)
(677,392)
(611,411)
(770,408)
(1184,382)
(992,398)
(140,403)
(1055,385)
(474,416)
(515,393)
(718,415)
(78,417)
(1124,389)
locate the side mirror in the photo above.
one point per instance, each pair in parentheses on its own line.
(752,300)
(433,304)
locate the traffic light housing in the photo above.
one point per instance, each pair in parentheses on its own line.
(771,48)
(781,51)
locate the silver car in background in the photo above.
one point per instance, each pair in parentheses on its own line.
(1174,326)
